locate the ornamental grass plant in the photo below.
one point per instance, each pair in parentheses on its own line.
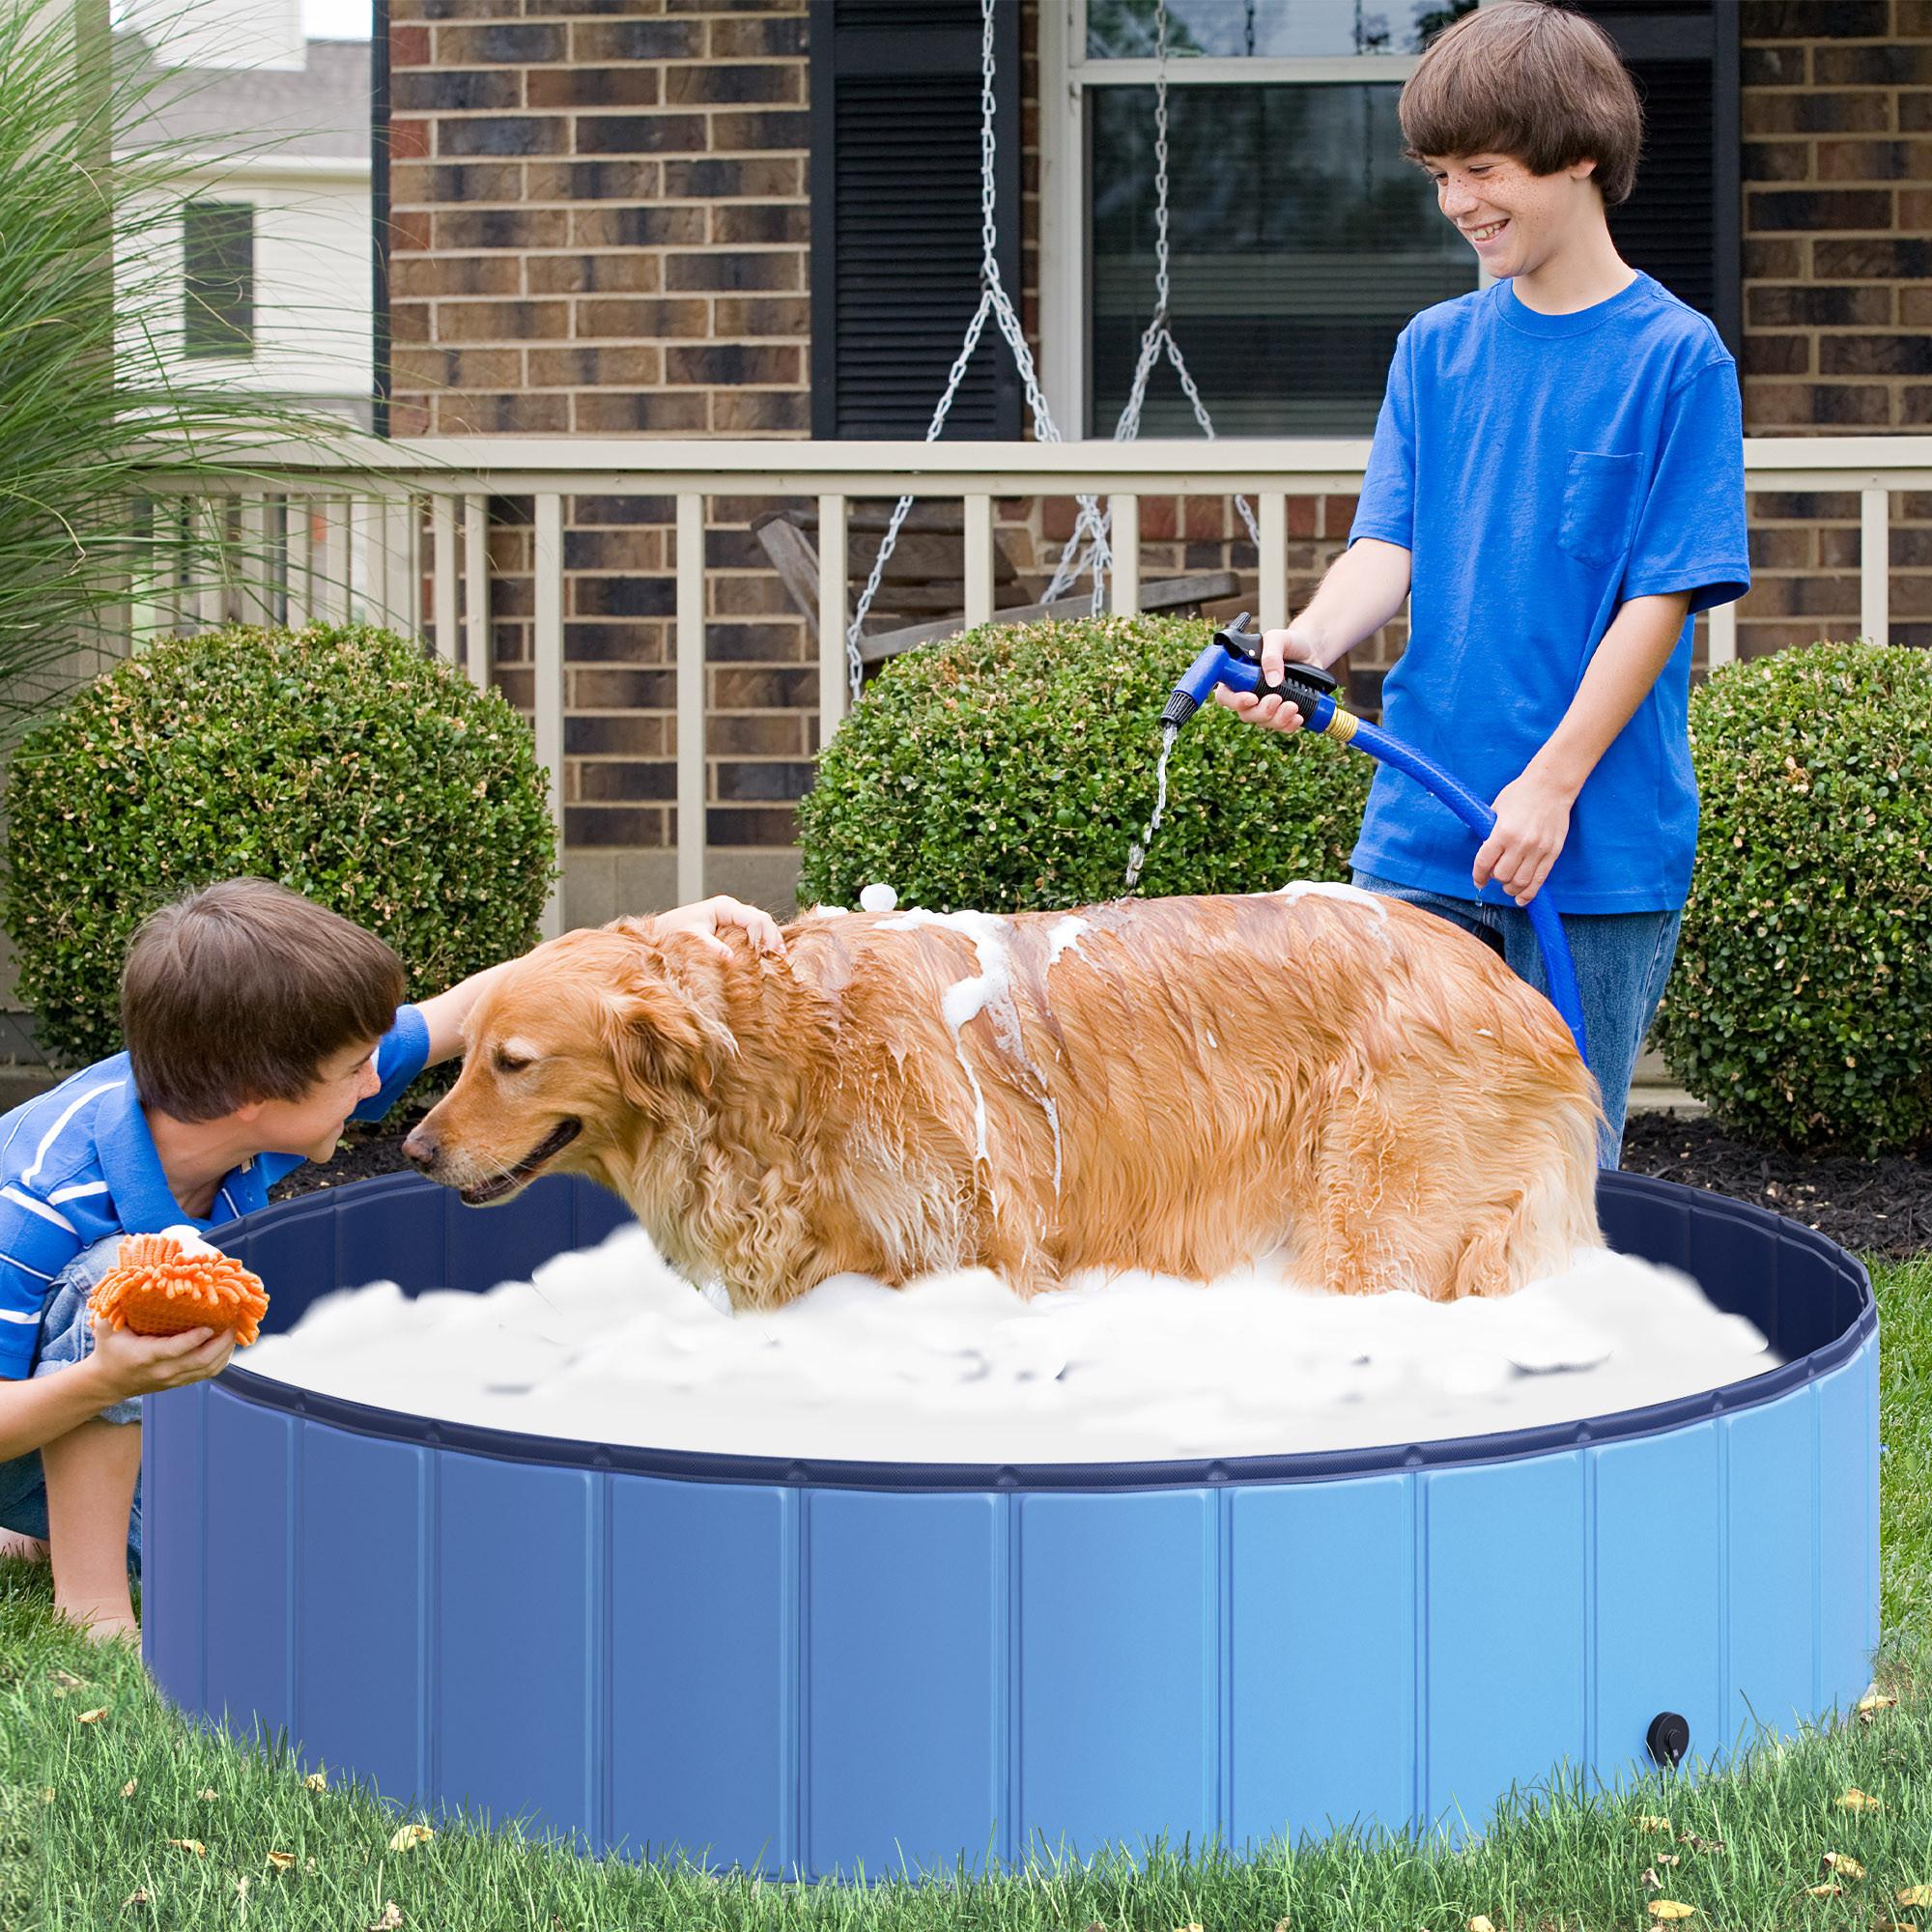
(92,387)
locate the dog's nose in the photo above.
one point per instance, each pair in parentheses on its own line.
(421,1151)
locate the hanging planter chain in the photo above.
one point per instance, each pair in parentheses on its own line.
(1091,526)
(1156,340)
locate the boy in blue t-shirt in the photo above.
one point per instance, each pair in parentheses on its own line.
(257,1025)
(1556,485)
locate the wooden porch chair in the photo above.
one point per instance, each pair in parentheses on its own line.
(927,572)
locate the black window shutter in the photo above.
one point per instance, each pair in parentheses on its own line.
(895,241)
(1682,224)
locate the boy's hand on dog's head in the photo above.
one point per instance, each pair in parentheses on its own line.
(130,1364)
(704,920)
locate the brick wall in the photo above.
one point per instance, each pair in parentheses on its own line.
(600,220)
(1837,164)
(601,228)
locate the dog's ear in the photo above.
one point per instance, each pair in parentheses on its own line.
(659,1035)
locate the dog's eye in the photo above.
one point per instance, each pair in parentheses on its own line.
(511,1063)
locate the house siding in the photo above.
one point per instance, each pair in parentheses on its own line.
(601,227)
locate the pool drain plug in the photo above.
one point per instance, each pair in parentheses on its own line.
(1667,1739)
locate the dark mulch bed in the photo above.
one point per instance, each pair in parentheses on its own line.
(365,1152)
(1871,1207)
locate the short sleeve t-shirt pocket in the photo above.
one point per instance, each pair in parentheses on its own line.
(1599,505)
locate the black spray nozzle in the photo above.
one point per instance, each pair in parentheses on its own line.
(1180,708)
(1238,642)
(1233,660)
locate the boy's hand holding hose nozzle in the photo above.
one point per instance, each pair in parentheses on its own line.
(1234,663)
(1237,661)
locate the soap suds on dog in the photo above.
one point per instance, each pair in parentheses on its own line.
(610,1344)
(1329,889)
(1062,934)
(989,991)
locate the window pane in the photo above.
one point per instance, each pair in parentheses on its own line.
(1302,243)
(219,278)
(1268,29)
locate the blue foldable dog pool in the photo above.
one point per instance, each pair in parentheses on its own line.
(805,1668)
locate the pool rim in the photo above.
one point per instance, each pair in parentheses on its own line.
(1294,1466)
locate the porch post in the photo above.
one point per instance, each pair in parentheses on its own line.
(476,590)
(979,560)
(833,683)
(1273,559)
(1126,547)
(1874,564)
(443,569)
(690,696)
(547,563)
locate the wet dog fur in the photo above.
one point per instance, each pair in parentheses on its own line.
(1171,1085)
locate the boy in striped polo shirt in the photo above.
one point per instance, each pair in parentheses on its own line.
(257,1025)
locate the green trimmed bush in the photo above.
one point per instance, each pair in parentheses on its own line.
(1012,767)
(1800,1004)
(343,762)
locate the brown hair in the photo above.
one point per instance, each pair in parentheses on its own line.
(1533,80)
(238,992)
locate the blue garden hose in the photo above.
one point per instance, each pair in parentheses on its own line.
(1234,660)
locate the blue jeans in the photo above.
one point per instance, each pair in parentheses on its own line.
(1622,960)
(66,1336)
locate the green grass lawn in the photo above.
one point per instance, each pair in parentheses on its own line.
(89,1806)
(1905,1429)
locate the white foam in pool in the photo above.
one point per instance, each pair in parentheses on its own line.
(609,1345)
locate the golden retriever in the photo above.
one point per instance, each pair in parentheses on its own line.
(1175,1085)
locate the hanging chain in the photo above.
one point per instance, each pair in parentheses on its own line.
(855,666)
(1158,340)
(1088,549)
(994,301)
(1161,286)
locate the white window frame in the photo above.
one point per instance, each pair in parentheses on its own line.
(1065,76)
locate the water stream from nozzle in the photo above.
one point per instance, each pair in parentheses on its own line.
(1137,852)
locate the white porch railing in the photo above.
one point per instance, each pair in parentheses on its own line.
(362,545)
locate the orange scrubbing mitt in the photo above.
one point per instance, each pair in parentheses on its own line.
(158,1287)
